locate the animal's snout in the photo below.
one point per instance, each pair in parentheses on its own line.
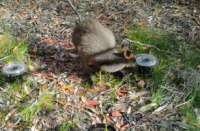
(128,55)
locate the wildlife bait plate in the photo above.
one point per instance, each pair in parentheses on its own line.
(146,60)
(13,69)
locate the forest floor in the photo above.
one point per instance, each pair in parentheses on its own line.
(53,94)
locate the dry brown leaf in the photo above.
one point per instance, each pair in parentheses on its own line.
(61,102)
(137,128)
(93,90)
(17,2)
(109,119)
(8,125)
(15,49)
(134,96)
(156,5)
(125,30)
(140,84)
(47,2)
(106,20)
(94,121)
(67,87)
(126,127)
(32,69)
(48,76)
(116,114)
(73,77)
(91,102)
(35,55)
(92,109)
(198,66)
(17,94)
(60,83)
(44,87)
(60,118)
(119,92)
(96,89)
(50,60)
(147,107)
(10,114)
(48,40)
(142,23)
(196,20)
(1,37)
(31,21)
(38,74)
(118,125)
(144,127)
(160,109)
(145,47)
(44,75)
(185,120)
(159,25)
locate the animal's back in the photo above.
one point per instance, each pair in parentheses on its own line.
(96,45)
(93,40)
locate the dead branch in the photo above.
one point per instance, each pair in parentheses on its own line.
(75,10)
(137,42)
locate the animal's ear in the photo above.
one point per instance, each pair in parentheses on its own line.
(128,55)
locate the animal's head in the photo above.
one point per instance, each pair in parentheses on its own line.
(122,59)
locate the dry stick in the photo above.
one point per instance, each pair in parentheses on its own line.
(185,102)
(100,79)
(75,10)
(105,121)
(171,90)
(15,124)
(137,42)
(5,58)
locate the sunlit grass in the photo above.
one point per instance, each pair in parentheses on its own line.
(175,70)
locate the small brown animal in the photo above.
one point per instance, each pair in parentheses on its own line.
(96,45)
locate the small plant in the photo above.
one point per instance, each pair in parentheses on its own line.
(68,126)
(11,50)
(29,112)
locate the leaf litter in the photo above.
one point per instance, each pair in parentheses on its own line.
(57,68)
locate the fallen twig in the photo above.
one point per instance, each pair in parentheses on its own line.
(185,102)
(5,57)
(137,42)
(171,90)
(75,10)
(10,129)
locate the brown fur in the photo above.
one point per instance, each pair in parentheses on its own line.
(96,45)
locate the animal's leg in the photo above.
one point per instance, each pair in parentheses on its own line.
(86,69)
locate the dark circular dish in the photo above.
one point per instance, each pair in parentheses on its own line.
(145,62)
